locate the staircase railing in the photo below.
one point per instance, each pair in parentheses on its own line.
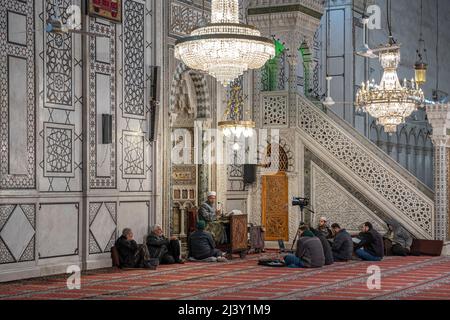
(368,168)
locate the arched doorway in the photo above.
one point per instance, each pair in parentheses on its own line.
(189,103)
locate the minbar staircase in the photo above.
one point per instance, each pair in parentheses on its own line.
(395,191)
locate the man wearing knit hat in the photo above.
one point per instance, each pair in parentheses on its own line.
(201,244)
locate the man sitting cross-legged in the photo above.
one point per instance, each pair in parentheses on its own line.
(201,244)
(371,247)
(166,250)
(342,245)
(309,252)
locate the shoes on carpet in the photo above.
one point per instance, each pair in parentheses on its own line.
(181,261)
(222,259)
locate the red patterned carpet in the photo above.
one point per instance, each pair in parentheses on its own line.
(402,278)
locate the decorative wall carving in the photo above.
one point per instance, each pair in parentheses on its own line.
(17,46)
(17,233)
(58,150)
(134,104)
(102,226)
(133,162)
(58,60)
(184,18)
(275,110)
(331,200)
(416,207)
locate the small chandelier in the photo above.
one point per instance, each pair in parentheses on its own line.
(390,102)
(235,126)
(225,48)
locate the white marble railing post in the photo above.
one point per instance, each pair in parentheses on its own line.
(439,118)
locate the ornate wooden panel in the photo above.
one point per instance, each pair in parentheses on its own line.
(239,233)
(275,210)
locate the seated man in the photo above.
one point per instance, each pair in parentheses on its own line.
(131,255)
(329,260)
(342,247)
(208,213)
(309,253)
(323,228)
(371,247)
(400,238)
(166,250)
(201,244)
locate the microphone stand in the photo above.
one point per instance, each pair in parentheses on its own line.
(296,235)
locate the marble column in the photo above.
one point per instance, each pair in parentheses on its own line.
(439,117)
(292,87)
(202,126)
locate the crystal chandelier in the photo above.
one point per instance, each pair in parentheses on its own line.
(235,127)
(390,102)
(225,48)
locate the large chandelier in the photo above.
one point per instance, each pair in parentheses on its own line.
(390,102)
(225,48)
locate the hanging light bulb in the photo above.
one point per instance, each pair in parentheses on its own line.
(421,66)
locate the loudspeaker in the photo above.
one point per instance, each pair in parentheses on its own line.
(106,128)
(249,173)
(155,73)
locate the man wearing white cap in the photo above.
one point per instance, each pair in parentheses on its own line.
(324,229)
(208,213)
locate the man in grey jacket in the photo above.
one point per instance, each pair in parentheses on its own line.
(201,244)
(401,239)
(309,252)
(342,245)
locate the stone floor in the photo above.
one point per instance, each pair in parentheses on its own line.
(402,278)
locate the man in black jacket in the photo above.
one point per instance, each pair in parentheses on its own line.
(166,250)
(201,244)
(342,245)
(131,255)
(371,247)
(325,245)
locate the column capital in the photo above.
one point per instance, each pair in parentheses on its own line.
(439,140)
(439,118)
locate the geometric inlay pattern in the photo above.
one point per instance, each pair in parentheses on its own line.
(275,111)
(134,58)
(109,69)
(418,208)
(184,18)
(23,52)
(133,155)
(58,64)
(58,150)
(102,227)
(17,233)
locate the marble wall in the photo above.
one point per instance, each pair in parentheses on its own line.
(65,196)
